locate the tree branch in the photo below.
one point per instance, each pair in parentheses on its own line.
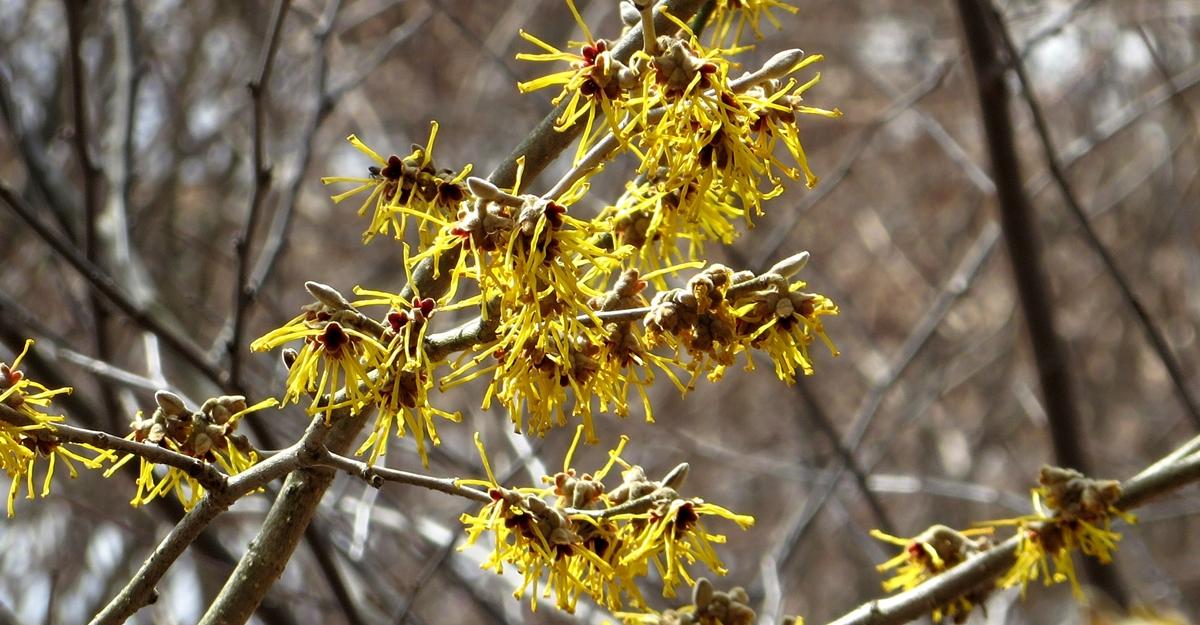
(92,177)
(1024,253)
(140,591)
(105,285)
(1153,335)
(377,476)
(243,296)
(984,569)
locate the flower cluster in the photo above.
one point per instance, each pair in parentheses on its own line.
(708,607)
(27,432)
(555,338)
(400,187)
(706,142)
(722,313)
(341,346)
(730,18)
(208,434)
(930,553)
(654,219)
(537,269)
(348,360)
(1072,512)
(578,538)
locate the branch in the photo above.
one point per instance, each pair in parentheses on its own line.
(92,176)
(285,525)
(277,236)
(242,296)
(103,283)
(378,476)
(140,591)
(44,175)
(1157,342)
(984,569)
(1025,255)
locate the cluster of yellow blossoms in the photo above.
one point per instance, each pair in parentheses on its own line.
(564,326)
(208,434)
(707,143)
(573,537)
(401,187)
(27,432)
(1072,513)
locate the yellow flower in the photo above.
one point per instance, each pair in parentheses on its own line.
(341,347)
(578,539)
(535,266)
(789,330)
(720,135)
(654,219)
(371,364)
(407,376)
(731,17)
(404,187)
(208,434)
(720,314)
(1077,516)
(27,432)
(927,555)
(595,83)
(672,536)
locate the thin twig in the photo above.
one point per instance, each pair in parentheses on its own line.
(258,87)
(324,104)
(120,162)
(44,175)
(817,415)
(378,476)
(1024,252)
(92,177)
(105,285)
(1157,341)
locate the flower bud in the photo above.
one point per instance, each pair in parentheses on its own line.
(171,403)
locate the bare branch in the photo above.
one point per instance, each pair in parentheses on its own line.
(242,296)
(140,591)
(105,285)
(1153,335)
(378,476)
(92,177)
